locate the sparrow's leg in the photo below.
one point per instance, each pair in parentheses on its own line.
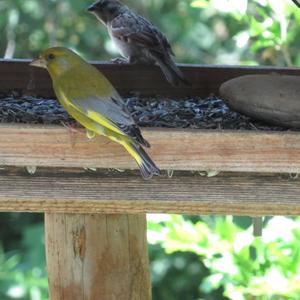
(123,60)
(119,61)
(133,60)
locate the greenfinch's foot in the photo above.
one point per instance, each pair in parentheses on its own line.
(70,126)
(90,134)
(72,130)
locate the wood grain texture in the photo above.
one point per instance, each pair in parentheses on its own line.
(246,151)
(94,257)
(146,80)
(78,191)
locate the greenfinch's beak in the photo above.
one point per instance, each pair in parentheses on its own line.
(39,62)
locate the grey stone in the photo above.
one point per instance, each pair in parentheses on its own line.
(271,98)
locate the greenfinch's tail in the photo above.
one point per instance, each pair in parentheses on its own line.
(146,164)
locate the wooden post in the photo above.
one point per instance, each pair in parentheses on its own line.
(95,257)
(257,226)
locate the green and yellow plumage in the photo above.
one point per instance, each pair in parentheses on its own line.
(88,96)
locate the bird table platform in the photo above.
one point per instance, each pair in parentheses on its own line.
(95,222)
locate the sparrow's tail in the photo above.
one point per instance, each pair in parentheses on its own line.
(145,163)
(170,70)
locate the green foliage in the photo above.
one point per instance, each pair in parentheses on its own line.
(22,273)
(201,31)
(244,266)
(176,275)
(192,258)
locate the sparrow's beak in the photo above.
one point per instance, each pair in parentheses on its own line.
(39,62)
(91,8)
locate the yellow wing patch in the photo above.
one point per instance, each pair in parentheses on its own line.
(103,121)
(95,116)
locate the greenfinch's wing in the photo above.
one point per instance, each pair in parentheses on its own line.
(110,112)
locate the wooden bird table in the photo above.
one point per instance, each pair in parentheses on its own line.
(95,222)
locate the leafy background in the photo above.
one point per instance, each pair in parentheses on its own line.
(201,31)
(192,257)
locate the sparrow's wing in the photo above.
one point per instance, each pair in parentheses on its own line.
(134,29)
(138,32)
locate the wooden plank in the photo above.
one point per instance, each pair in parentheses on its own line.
(245,151)
(144,80)
(77,191)
(97,257)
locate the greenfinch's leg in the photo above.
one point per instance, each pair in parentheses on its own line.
(70,126)
(72,130)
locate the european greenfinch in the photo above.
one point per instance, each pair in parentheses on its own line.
(88,96)
(137,39)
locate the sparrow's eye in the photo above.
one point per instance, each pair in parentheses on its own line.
(51,56)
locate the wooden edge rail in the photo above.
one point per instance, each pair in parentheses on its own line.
(53,190)
(17,75)
(172,149)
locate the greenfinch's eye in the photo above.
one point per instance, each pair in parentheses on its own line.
(51,56)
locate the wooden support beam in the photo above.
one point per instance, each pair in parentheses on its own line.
(257,226)
(173,149)
(146,80)
(96,257)
(77,191)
